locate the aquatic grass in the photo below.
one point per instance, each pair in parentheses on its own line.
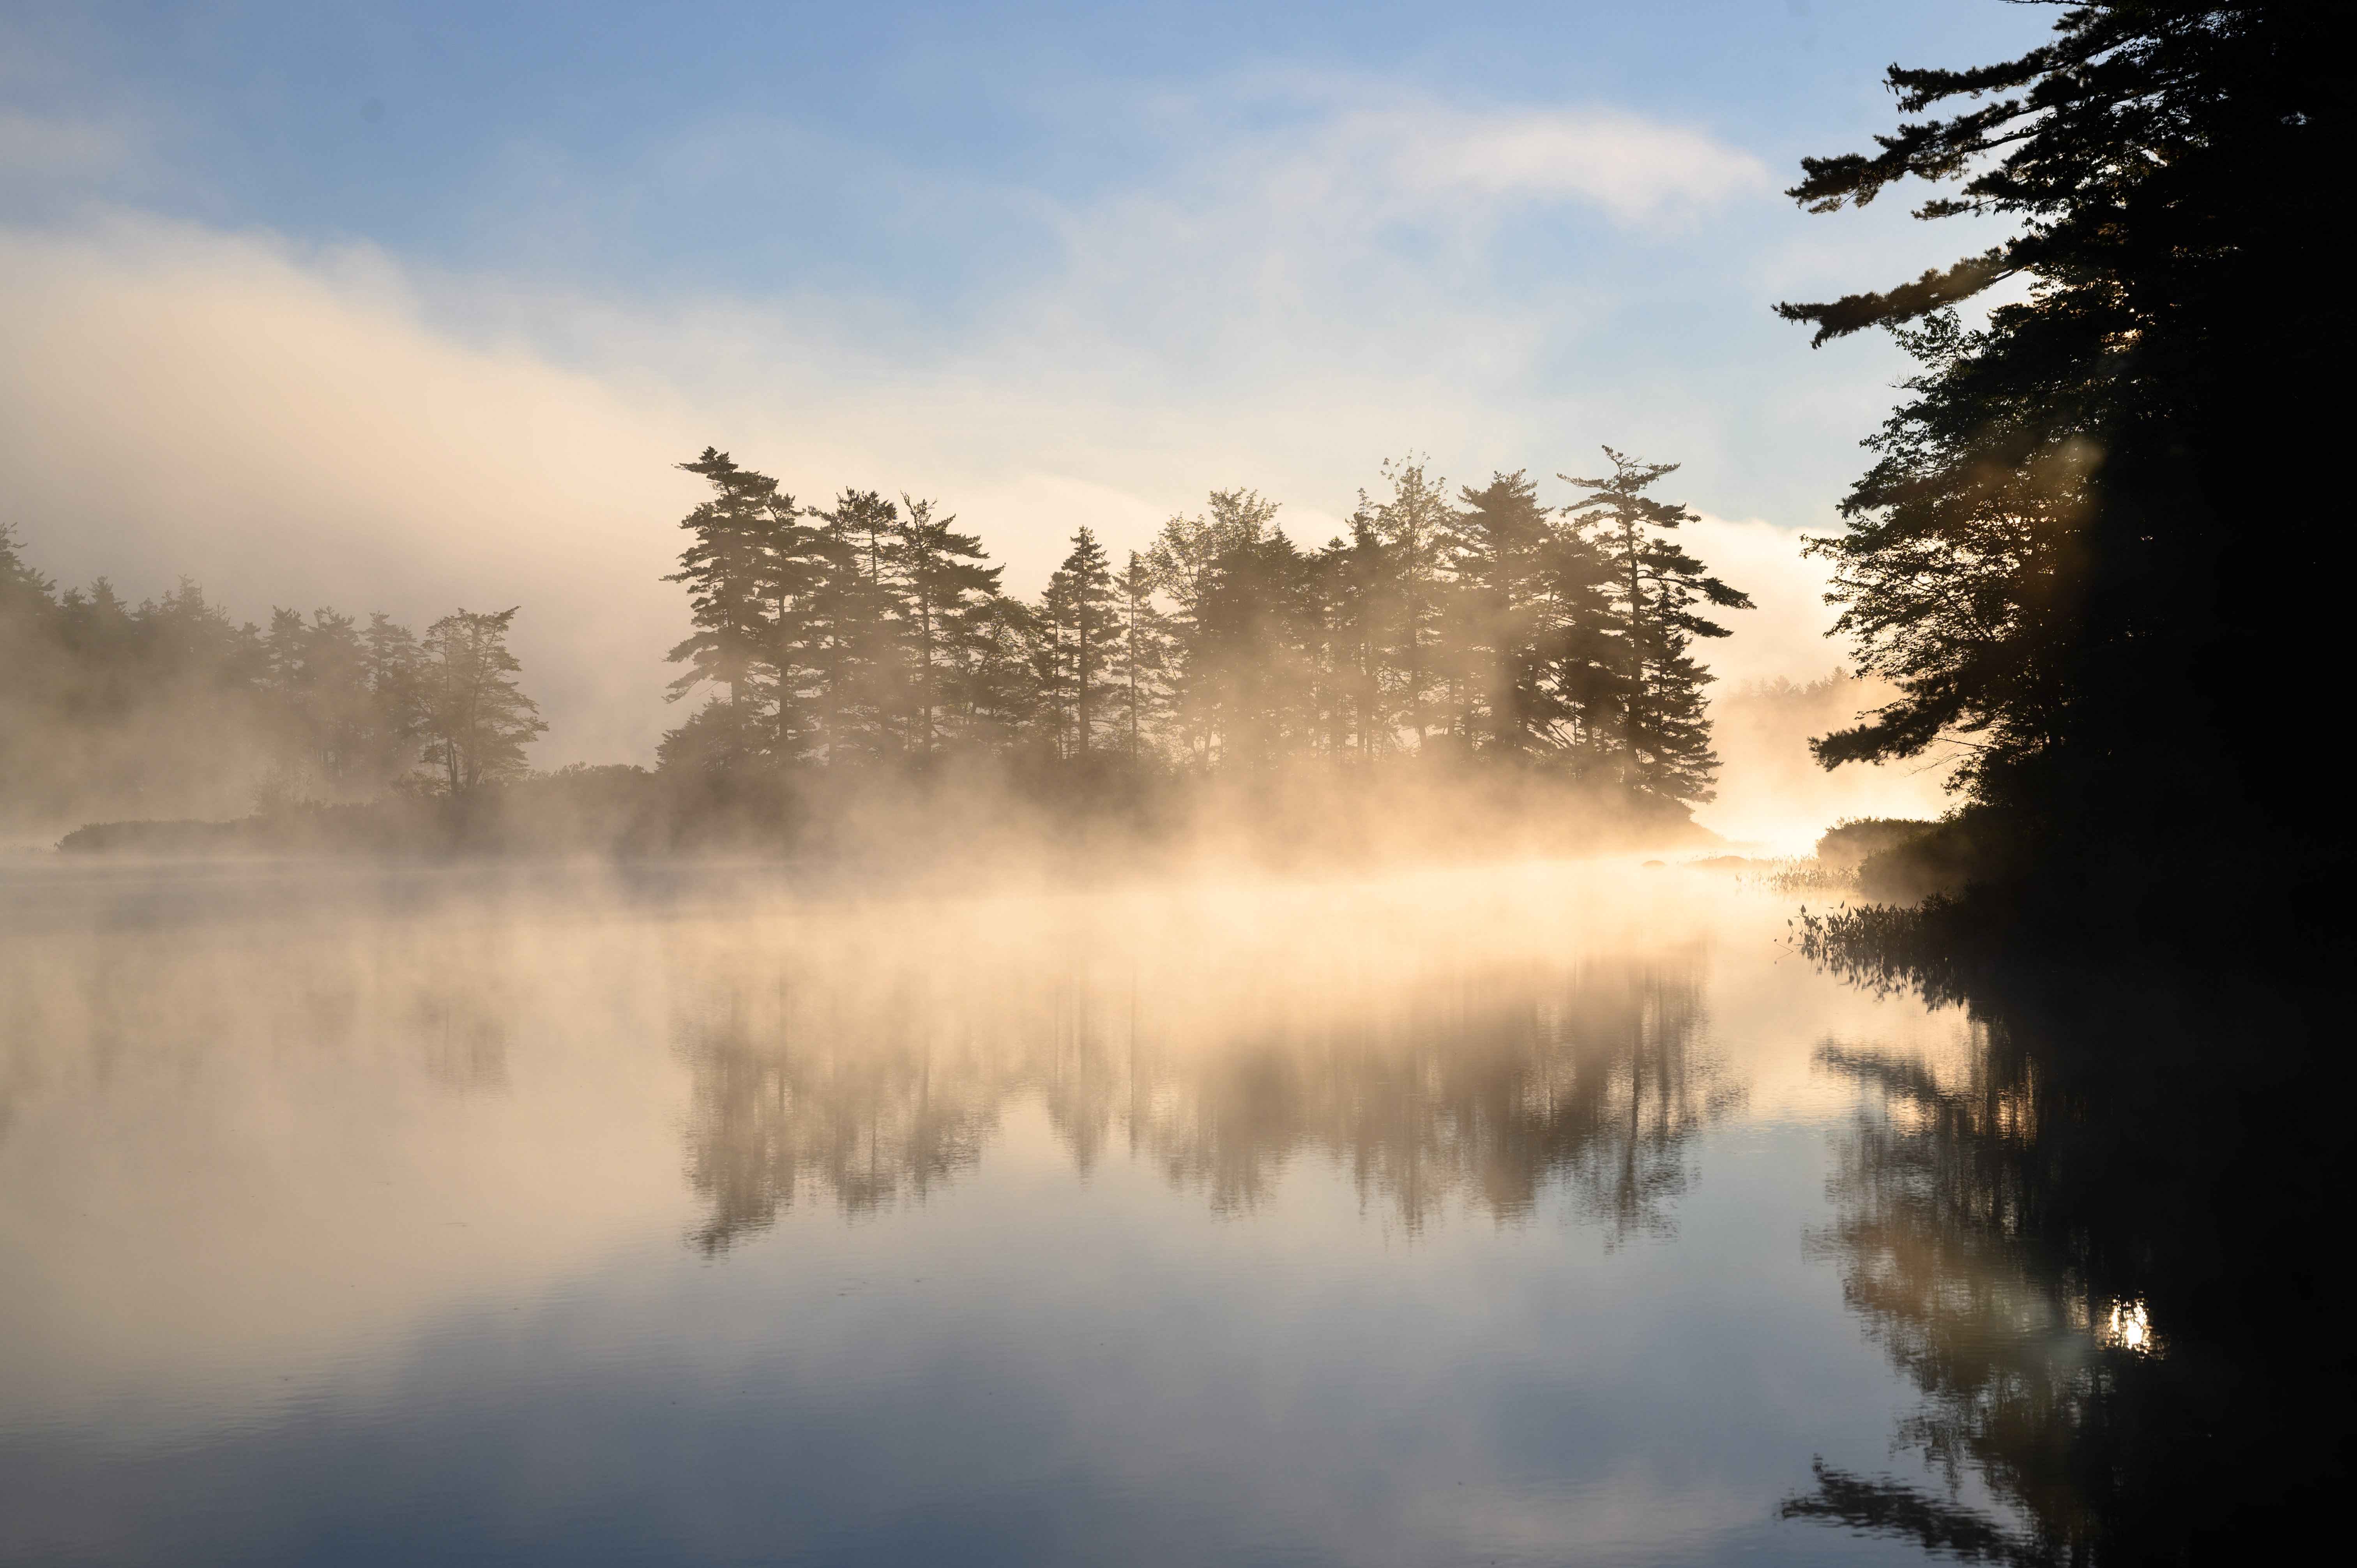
(1890,947)
(1799,874)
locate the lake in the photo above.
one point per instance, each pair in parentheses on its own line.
(1550,1213)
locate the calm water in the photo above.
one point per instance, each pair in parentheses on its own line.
(1557,1213)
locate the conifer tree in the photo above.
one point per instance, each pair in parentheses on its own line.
(1499,548)
(1181,560)
(1355,582)
(317,671)
(2037,555)
(392,667)
(1249,673)
(1141,659)
(738,574)
(946,585)
(1412,526)
(859,631)
(1582,651)
(1664,728)
(1080,608)
(36,678)
(478,719)
(1001,681)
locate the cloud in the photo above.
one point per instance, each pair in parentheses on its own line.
(1639,171)
(42,153)
(1370,236)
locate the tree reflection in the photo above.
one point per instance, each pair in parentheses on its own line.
(1474,1082)
(2067,1244)
(781,1107)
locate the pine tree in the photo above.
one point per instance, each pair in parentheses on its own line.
(859,625)
(946,585)
(1664,728)
(1249,685)
(2038,555)
(1003,644)
(1498,552)
(1412,526)
(35,674)
(1354,578)
(1080,608)
(1582,653)
(1140,693)
(1180,562)
(478,719)
(737,573)
(393,669)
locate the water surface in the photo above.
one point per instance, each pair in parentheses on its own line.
(1542,1214)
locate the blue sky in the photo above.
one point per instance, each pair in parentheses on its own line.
(802,133)
(469,276)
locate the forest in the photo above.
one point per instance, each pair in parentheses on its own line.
(867,645)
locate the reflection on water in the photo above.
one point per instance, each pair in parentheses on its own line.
(2026,1232)
(1518,1215)
(1426,1079)
(1943,1254)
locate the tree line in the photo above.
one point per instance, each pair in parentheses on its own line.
(120,705)
(872,633)
(869,632)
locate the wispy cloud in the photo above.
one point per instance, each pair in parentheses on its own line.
(1443,160)
(40,153)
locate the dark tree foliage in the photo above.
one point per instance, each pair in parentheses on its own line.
(1501,550)
(871,639)
(477,721)
(1666,734)
(2057,550)
(747,568)
(949,592)
(1082,620)
(1501,629)
(1140,694)
(859,691)
(1250,681)
(171,707)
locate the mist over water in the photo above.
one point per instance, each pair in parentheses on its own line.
(1079,796)
(484,1213)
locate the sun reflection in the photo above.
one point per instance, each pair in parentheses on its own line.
(2129,1327)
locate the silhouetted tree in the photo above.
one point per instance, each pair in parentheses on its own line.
(1354,577)
(1495,631)
(1413,527)
(392,665)
(742,572)
(859,646)
(2035,556)
(1500,547)
(1140,663)
(1180,559)
(1081,609)
(478,719)
(948,589)
(1666,731)
(1248,685)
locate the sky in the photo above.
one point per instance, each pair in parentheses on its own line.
(410,306)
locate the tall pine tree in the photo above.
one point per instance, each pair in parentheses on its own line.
(738,575)
(1664,728)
